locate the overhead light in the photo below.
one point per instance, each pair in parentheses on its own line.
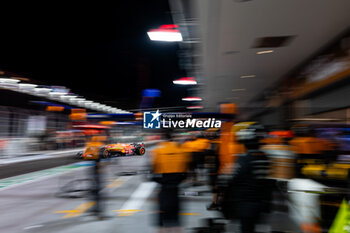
(81,102)
(67,97)
(168,33)
(42,90)
(57,94)
(192,99)
(75,100)
(8,81)
(195,107)
(264,52)
(94,104)
(248,76)
(27,86)
(88,105)
(238,89)
(21,78)
(185,81)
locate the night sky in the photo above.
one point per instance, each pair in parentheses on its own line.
(98,50)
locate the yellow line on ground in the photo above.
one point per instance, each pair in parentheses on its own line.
(131,212)
(126,212)
(83,207)
(66,211)
(115,183)
(189,214)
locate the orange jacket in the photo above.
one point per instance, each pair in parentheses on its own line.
(170,157)
(198,145)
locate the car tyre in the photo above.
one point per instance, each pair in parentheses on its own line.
(141,151)
(79,155)
(106,154)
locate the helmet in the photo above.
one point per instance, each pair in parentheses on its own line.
(251,135)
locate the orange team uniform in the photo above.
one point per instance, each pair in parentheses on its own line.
(229,149)
(198,145)
(307,145)
(92,149)
(170,157)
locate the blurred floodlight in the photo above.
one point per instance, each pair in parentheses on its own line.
(42,90)
(81,103)
(56,94)
(94,104)
(21,79)
(8,81)
(165,36)
(151,93)
(192,99)
(195,107)
(68,97)
(27,86)
(79,99)
(264,52)
(168,33)
(185,81)
(248,76)
(74,100)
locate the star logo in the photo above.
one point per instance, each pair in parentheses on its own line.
(156,115)
(151,120)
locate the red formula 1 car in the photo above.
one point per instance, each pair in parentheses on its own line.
(122,149)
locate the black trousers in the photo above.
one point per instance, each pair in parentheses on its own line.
(247,225)
(96,186)
(169,205)
(169,202)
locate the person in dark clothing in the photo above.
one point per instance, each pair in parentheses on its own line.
(170,163)
(212,165)
(96,187)
(244,198)
(96,174)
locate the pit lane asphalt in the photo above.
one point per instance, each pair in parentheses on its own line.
(48,160)
(19,168)
(129,201)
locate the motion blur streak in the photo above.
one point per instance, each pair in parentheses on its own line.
(175,116)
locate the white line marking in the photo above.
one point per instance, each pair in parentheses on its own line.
(40,178)
(122,179)
(31,227)
(38,156)
(139,196)
(25,159)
